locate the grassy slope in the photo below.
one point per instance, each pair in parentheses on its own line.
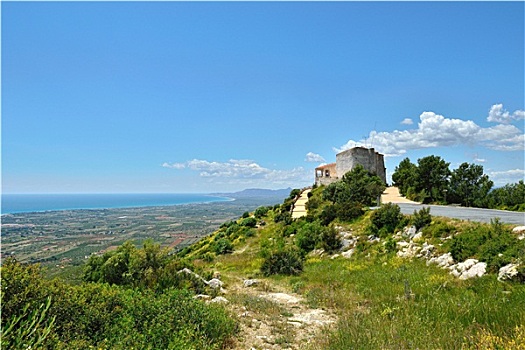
(383,301)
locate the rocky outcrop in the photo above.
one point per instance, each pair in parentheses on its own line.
(470,268)
(508,272)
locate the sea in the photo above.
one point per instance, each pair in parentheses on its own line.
(27,203)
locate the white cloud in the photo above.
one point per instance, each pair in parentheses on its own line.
(498,114)
(173,165)
(314,158)
(245,172)
(407,121)
(435,130)
(506,176)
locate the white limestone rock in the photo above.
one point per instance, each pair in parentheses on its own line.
(409,232)
(418,237)
(215,283)
(470,268)
(250,282)
(478,270)
(409,251)
(219,300)
(426,251)
(508,272)
(518,230)
(347,254)
(402,244)
(444,260)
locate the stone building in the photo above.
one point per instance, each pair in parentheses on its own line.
(345,161)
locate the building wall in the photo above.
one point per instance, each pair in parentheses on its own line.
(325,174)
(367,157)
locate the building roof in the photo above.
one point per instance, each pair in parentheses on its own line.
(331,165)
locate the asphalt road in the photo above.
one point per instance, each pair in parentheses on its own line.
(472,214)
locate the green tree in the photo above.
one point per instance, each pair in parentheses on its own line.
(405,176)
(469,186)
(432,177)
(364,187)
(510,196)
(357,185)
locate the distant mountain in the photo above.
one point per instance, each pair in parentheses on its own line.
(257,193)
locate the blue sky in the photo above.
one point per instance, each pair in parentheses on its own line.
(222,96)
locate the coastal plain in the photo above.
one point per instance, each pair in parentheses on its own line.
(64,239)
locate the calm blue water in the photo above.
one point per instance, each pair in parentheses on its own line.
(23,203)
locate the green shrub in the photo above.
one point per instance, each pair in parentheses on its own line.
(223,246)
(421,218)
(390,244)
(493,244)
(348,211)
(308,236)
(387,217)
(249,222)
(287,261)
(438,229)
(55,315)
(328,214)
(330,240)
(284,217)
(261,211)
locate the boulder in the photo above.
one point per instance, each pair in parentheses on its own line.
(470,268)
(426,251)
(518,230)
(409,232)
(373,238)
(249,283)
(418,237)
(409,251)
(477,270)
(508,272)
(215,283)
(219,300)
(347,254)
(348,243)
(444,260)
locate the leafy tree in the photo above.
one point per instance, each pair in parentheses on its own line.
(357,185)
(405,176)
(510,196)
(432,177)
(364,187)
(469,186)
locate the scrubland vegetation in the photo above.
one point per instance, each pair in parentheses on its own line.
(136,297)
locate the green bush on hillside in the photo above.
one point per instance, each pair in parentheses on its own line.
(421,218)
(287,261)
(385,219)
(494,244)
(103,316)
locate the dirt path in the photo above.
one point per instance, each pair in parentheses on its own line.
(271,318)
(391,195)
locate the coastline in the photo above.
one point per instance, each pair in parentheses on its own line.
(41,203)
